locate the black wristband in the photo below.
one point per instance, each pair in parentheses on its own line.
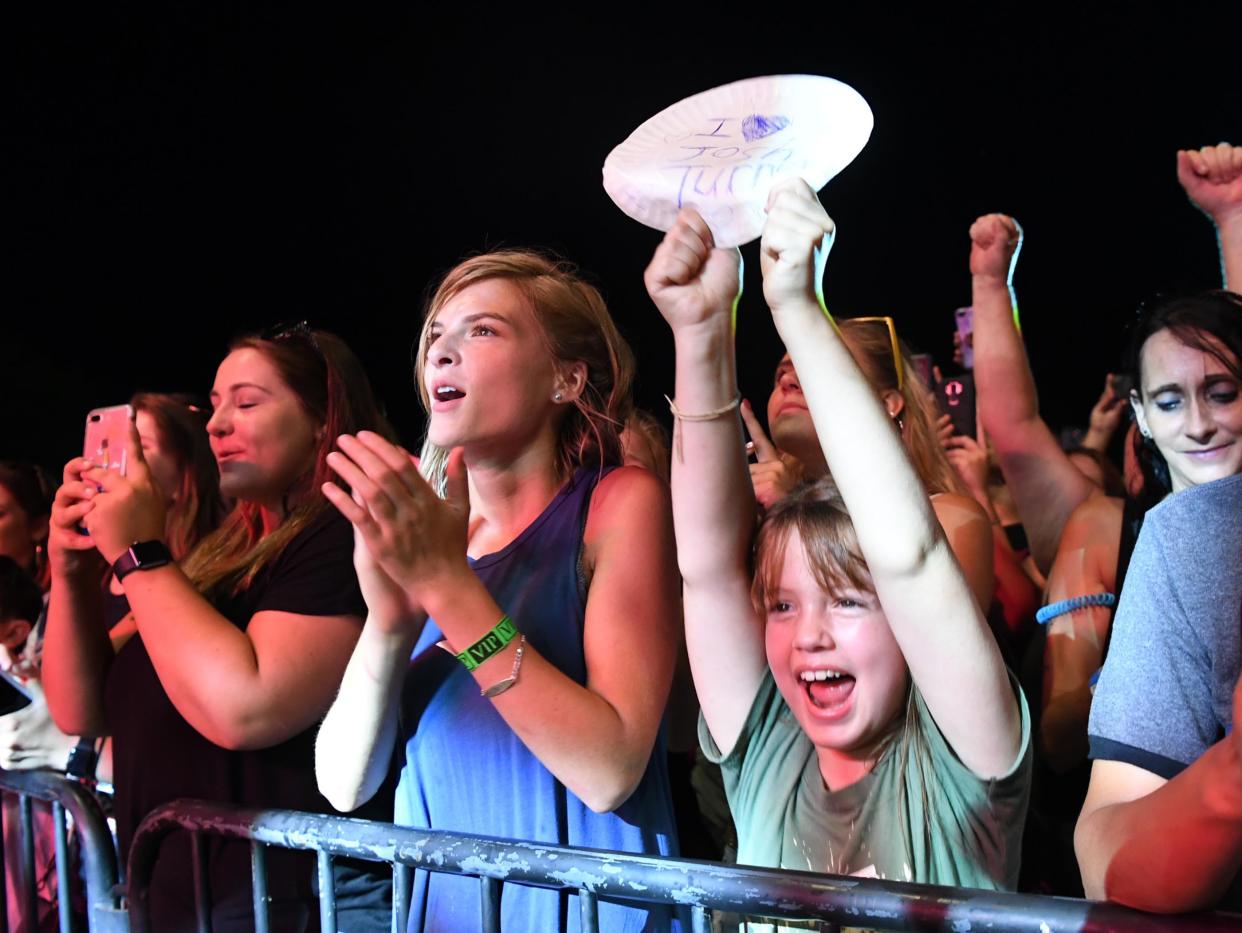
(142,555)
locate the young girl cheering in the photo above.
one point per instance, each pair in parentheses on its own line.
(851,690)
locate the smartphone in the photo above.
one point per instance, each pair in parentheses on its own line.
(965,318)
(957,400)
(107,437)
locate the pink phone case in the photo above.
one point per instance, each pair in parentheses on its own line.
(107,430)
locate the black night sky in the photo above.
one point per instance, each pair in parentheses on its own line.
(182,172)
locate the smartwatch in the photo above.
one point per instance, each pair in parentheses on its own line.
(142,555)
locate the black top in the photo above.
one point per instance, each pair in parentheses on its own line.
(158,756)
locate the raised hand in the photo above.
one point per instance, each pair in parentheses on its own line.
(70,552)
(1212,179)
(795,244)
(688,278)
(775,474)
(125,509)
(995,241)
(1106,415)
(970,460)
(414,539)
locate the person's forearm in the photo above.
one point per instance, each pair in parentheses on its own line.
(76,656)
(1003,380)
(1176,849)
(713,501)
(1229,239)
(574,732)
(875,478)
(206,664)
(359,733)
(1045,484)
(1098,439)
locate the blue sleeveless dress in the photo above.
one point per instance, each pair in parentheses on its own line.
(465,769)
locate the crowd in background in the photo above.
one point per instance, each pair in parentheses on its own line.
(865,642)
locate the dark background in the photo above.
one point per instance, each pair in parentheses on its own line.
(183,172)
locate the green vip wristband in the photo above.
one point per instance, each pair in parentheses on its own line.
(491,643)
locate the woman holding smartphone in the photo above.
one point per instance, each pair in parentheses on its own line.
(549,576)
(238,646)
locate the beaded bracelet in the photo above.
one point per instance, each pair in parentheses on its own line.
(501,686)
(1066,606)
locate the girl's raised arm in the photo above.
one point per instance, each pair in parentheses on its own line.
(696,286)
(952,656)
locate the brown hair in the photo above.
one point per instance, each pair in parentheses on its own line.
(870,345)
(576,327)
(643,428)
(817,513)
(829,542)
(197,506)
(333,388)
(30,487)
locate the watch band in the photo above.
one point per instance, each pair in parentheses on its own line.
(141,555)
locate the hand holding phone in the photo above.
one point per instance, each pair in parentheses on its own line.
(126,503)
(957,400)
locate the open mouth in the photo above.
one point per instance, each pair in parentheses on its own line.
(827,690)
(448,393)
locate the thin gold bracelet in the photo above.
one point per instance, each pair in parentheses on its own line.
(703,416)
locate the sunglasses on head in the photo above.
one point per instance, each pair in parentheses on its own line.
(898,365)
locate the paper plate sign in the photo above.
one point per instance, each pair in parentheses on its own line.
(722,151)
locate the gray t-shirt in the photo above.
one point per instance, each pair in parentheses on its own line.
(920,815)
(1166,692)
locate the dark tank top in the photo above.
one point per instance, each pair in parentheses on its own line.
(466,770)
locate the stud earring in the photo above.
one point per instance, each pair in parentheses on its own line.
(556,397)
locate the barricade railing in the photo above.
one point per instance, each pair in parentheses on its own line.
(700,887)
(98,864)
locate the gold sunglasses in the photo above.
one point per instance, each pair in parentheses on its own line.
(898,366)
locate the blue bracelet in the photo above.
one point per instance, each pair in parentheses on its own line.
(1066,606)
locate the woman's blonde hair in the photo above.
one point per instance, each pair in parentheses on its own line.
(336,395)
(576,327)
(871,346)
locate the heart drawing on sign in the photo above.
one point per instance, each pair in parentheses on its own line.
(757,126)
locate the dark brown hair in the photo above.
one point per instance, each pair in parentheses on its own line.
(334,391)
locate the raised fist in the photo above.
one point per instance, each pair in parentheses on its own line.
(995,240)
(1212,179)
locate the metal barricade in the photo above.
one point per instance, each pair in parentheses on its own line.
(702,887)
(98,855)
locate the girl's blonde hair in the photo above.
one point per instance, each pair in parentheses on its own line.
(871,346)
(576,327)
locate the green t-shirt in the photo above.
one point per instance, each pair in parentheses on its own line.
(919,816)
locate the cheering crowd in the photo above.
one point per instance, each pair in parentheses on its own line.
(990,660)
